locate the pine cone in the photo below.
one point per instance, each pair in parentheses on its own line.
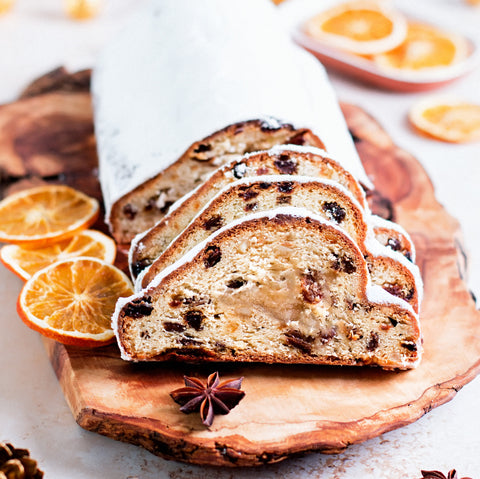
(17,463)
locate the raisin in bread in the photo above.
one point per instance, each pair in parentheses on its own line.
(148,113)
(324,197)
(284,286)
(279,160)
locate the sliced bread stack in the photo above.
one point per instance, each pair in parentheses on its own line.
(260,245)
(276,258)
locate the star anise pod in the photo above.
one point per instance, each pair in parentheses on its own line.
(439,475)
(211,398)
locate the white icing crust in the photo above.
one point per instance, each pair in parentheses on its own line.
(182,70)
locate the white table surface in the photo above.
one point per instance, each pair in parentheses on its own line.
(37,37)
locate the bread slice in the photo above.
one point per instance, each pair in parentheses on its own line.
(142,207)
(279,160)
(284,286)
(393,236)
(394,273)
(323,197)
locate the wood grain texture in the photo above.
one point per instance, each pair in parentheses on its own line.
(290,410)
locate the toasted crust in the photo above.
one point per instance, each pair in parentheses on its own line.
(141,208)
(150,245)
(283,287)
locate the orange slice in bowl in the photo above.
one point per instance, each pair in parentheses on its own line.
(25,261)
(447,119)
(363,27)
(424,48)
(45,215)
(72,301)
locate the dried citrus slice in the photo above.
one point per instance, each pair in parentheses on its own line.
(424,48)
(44,215)
(363,27)
(72,301)
(25,261)
(447,119)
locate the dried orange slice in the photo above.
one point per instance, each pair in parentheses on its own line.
(72,301)
(424,48)
(363,27)
(24,261)
(44,215)
(447,119)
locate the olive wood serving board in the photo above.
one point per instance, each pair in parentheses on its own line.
(287,410)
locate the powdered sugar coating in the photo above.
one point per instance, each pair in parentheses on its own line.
(178,73)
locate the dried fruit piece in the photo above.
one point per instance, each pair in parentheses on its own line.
(425,47)
(363,27)
(211,398)
(447,119)
(24,261)
(73,301)
(213,255)
(45,215)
